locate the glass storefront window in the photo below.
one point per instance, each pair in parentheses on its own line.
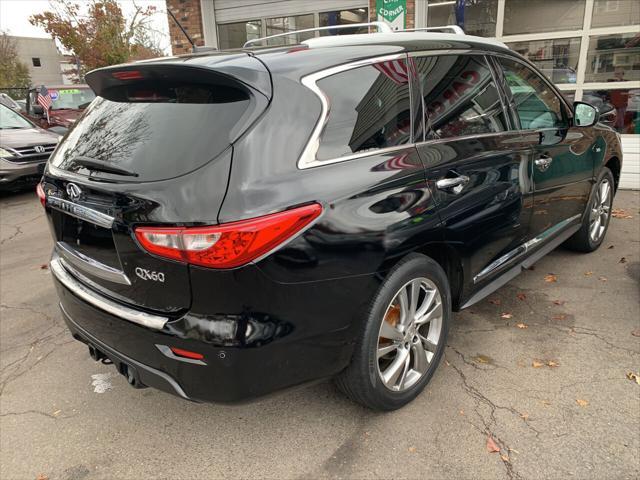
(613,58)
(615,13)
(557,59)
(234,35)
(626,103)
(569,95)
(279,25)
(535,16)
(344,17)
(475,18)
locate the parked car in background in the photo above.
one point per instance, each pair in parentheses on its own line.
(7,101)
(234,223)
(24,150)
(67,104)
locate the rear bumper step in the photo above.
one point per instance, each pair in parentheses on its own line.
(148,320)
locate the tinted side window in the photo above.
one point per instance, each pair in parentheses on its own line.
(368,109)
(535,103)
(460,97)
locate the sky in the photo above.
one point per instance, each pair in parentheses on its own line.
(14,17)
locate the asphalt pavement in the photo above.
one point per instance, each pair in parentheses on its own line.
(542,370)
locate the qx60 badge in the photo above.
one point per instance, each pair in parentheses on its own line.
(145,274)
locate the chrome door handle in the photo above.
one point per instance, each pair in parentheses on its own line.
(543,163)
(447,183)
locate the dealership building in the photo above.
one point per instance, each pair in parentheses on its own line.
(589,48)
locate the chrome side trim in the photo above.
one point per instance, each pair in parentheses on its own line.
(308,158)
(91,266)
(81,212)
(524,248)
(79,290)
(168,353)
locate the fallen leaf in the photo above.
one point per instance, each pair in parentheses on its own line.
(42,476)
(550,278)
(559,317)
(622,260)
(552,363)
(514,450)
(588,274)
(546,403)
(491,445)
(636,332)
(446,363)
(602,279)
(537,364)
(559,302)
(506,315)
(504,458)
(532,268)
(482,359)
(461,412)
(495,301)
(634,377)
(412,449)
(44,266)
(525,417)
(620,213)
(522,296)
(522,325)
(57,412)
(582,403)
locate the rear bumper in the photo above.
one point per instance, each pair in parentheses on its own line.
(17,174)
(276,350)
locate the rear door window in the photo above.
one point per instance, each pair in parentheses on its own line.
(369,109)
(155,131)
(535,103)
(459,96)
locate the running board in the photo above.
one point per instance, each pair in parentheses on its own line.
(523,265)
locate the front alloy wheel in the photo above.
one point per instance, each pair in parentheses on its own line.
(409,334)
(600,211)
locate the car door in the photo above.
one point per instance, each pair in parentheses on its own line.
(479,169)
(562,155)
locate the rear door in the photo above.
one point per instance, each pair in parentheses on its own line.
(562,155)
(154,148)
(479,170)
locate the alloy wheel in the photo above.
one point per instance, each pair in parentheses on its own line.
(409,334)
(600,211)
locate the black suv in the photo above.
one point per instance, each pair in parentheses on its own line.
(228,224)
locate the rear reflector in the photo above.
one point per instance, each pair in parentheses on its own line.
(41,194)
(186,353)
(228,245)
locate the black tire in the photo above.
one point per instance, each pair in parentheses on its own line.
(582,240)
(361,381)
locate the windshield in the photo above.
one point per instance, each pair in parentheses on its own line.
(74,98)
(10,119)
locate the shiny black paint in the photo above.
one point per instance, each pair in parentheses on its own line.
(294,315)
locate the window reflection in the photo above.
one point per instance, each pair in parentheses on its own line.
(235,35)
(532,16)
(343,17)
(615,13)
(475,18)
(281,25)
(625,102)
(613,58)
(557,59)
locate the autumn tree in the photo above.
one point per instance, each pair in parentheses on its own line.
(13,73)
(98,34)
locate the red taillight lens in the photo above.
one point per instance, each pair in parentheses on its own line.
(41,194)
(186,353)
(128,75)
(228,245)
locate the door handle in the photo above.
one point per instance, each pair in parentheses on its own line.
(543,163)
(447,183)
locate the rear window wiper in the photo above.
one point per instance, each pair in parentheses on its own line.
(102,166)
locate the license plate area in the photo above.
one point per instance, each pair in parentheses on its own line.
(89,239)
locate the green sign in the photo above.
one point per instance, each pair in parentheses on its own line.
(394,12)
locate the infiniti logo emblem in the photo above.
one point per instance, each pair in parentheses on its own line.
(39,148)
(73,191)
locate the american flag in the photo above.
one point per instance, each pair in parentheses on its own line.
(44,100)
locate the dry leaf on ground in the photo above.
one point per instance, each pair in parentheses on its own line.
(412,449)
(482,359)
(504,458)
(551,278)
(581,402)
(495,301)
(622,260)
(42,476)
(634,377)
(553,363)
(524,416)
(588,274)
(522,296)
(602,279)
(537,364)
(610,247)
(44,266)
(620,213)
(522,325)
(636,332)
(561,316)
(559,302)
(492,447)
(506,315)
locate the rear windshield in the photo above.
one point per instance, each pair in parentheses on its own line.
(70,98)
(155,133)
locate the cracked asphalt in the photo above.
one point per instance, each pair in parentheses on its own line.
(540,367)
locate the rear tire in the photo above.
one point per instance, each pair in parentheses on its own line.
(394,361)
(596,220)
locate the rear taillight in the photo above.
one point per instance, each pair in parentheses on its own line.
(228,245)
(41,194)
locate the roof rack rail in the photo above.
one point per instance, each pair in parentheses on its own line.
(381,26)
(443,29)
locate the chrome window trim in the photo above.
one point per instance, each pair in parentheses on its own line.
(308,158)
(148,320)
(80,211)
(90,265)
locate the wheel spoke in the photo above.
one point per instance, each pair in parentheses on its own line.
(386,349)
(420,361)
(404,307)
(434,313)
(428,345)
(395,369)
(604,193)
(413,298)
(429,297)
(390,332)
(405,370)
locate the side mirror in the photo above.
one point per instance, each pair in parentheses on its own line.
(38,110)
(607,114)
(584,115)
